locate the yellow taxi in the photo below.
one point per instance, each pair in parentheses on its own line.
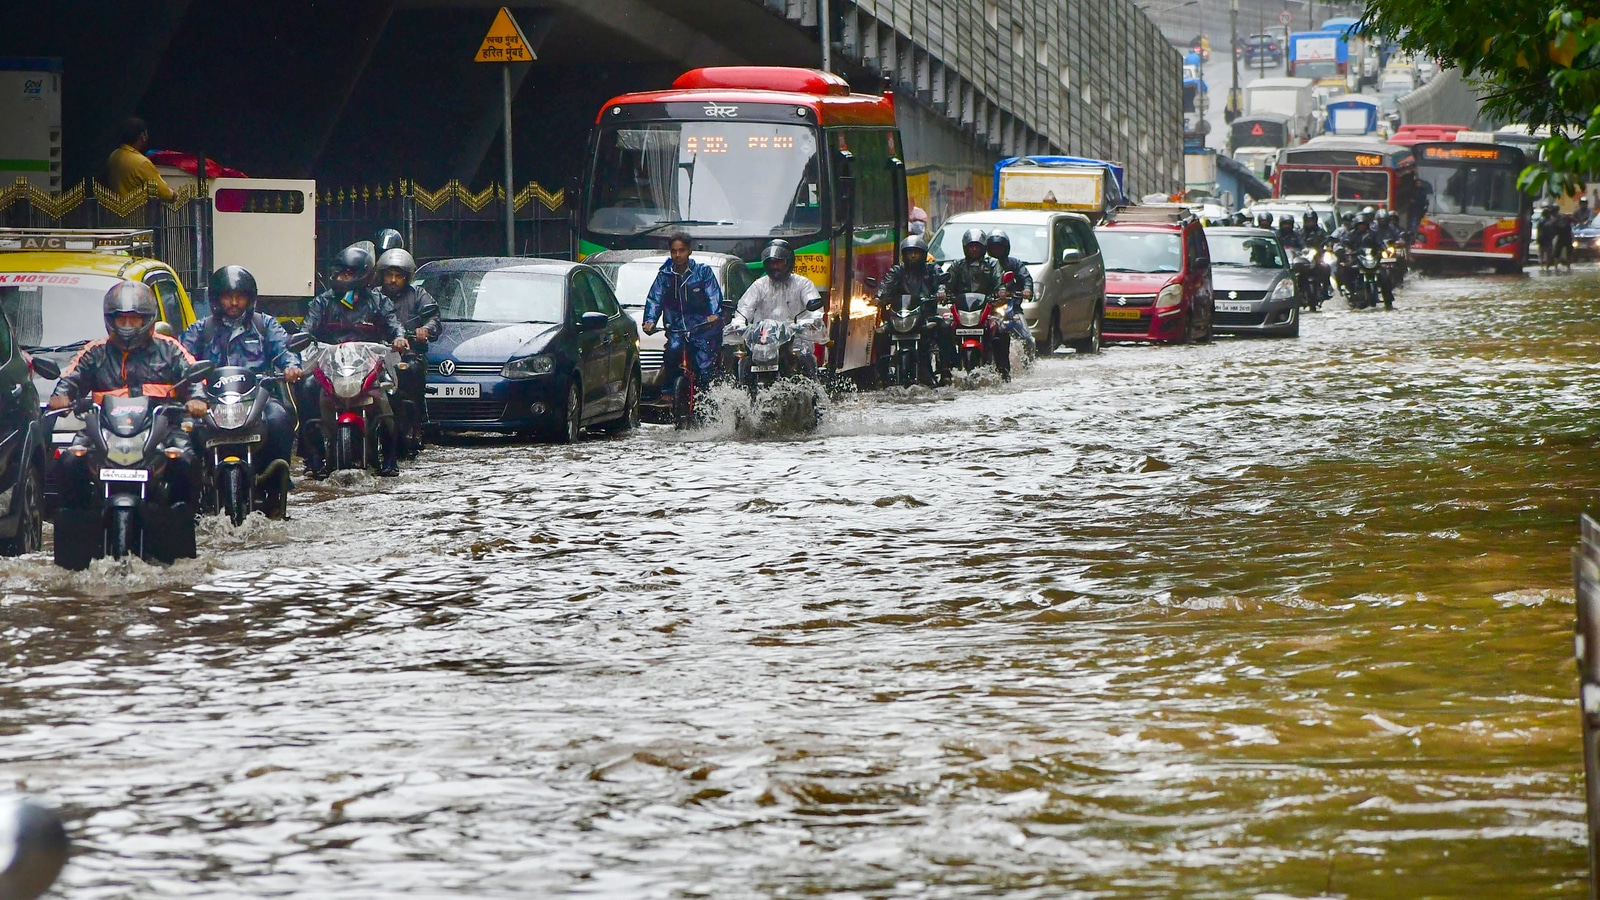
(52,286)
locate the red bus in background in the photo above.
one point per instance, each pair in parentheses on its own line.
(736,156)
(1351,173)
(1415,134)
(1472,211)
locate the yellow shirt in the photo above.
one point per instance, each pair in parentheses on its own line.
(129,171)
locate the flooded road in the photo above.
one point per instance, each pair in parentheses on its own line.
(1254,619)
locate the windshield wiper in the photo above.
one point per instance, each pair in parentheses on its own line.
(668,224)
(75,345)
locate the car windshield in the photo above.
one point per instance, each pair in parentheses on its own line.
(55,311)
(718,178)
(1029,243)
(1248,251)
(631,281)
(1140,251)
(498,296)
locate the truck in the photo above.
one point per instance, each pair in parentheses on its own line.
(1290,97)
(1322,56)
(1078,184)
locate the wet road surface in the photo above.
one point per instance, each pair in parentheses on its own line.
(1254,619)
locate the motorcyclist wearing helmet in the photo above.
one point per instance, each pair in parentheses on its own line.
(915,276)
(349,311)
(780,295)
(1264,220)
(132,361)
(236,335)
(388,239)
(1020,288)
(1287,236)
(1311,233)
(1362,236)
(419,316)
(976,273)
(1385,226)
(687,296)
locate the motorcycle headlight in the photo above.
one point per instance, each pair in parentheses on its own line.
(764,352)
(528,367)
(229,415)
(1170,296)
(347,385)
(124,451)
(970,317)
(1284,290)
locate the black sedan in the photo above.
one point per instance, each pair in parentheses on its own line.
(1252,283)
(531,346)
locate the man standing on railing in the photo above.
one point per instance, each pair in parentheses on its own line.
(128,170)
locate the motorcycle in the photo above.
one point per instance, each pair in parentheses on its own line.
(346,373)
(1312,285)
(767,356)
(232,432)
(128,445)
(1366,291)
(972,316)
(1394,262)
(913,348)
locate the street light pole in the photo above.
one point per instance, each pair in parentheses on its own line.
(1235,104)
(824,13)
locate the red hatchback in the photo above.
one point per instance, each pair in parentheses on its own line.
(1158,276)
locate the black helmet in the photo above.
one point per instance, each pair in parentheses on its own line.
(130,297)
(973,236)
(352,269)
(779,251)
(233,280)
(389,239)
(1286,222)
(998,242)
(914,244)
(1310,219)
(1348,219)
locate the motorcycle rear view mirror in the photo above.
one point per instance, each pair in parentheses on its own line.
(300,341)
(45,368)
(200,371)
(592,321)
(814,304)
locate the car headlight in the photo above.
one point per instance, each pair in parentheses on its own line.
(1171,295)
(528,367)
(1284,290)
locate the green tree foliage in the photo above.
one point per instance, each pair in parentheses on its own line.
(1533,61)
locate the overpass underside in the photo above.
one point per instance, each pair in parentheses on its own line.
(365,90)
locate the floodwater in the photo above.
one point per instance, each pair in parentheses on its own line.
(1255,619)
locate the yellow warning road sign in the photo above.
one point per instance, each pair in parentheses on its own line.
(504,43)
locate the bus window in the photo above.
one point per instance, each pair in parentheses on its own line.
(1368,187)
(1301,182)
(713,179)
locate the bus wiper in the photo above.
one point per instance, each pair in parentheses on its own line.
(75,345)
(660,225)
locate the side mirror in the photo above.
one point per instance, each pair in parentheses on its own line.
(870,282)
(45,368)
(200,371)
(300,341)
(592,321)
(165,329)
(814,304)
(1071,255)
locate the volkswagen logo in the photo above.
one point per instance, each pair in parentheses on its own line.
(447,367)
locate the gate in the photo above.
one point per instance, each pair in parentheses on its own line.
(452,221)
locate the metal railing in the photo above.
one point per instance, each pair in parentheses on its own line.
(93,205)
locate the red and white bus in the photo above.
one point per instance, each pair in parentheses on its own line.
(1472,210)
(736,156)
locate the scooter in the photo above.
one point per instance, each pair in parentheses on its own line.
(913,348)
(128,444)
(347,372)
(233,480)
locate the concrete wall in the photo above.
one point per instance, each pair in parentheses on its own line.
(1085,77)
(1446,100)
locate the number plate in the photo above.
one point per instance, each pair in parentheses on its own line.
(124,474)
(1114,313)
(1233,307)
(772,368)
(968,331)
(454,391)
(222,442)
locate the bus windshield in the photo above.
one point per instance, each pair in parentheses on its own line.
(1372,187)
(1470,190)
(710,179)
(1305,183)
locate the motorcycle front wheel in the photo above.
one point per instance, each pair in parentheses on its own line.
(120,538)
(347,449)
(233,492)
(971,358)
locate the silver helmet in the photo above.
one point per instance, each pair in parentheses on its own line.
(131,297)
